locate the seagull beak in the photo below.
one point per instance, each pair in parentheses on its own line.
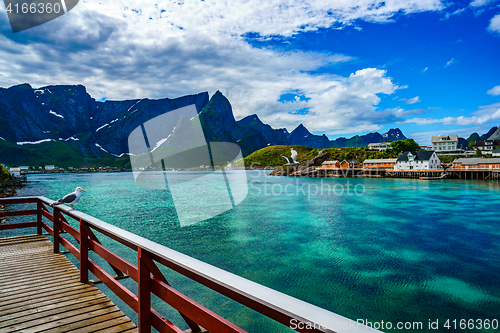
(83,190)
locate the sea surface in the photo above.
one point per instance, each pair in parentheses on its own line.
(391,250)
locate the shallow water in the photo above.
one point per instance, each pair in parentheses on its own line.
(397,250)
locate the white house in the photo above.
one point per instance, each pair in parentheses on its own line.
(379,146)
(488,146)
(50,167)
(418,160)
(446,144)
(16,172)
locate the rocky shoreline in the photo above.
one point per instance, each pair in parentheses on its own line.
(9,190)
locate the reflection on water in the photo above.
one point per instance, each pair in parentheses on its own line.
(402,250)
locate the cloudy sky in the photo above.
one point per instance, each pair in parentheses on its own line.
(340,67)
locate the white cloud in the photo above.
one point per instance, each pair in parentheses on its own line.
(277,17)
(337,104)
(127,49)
(480,3)
(495,24)
(456,12)
(413,100)
(425,69)
(485,114)
(495,91)
(450,62)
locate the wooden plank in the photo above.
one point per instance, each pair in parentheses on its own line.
(29,289)
(23,269)
(119,324)
(65,311)
(18,238)
(49,301)
(36,293)
(56,320)
(40,291)
(18,212)
(80,321)
(27,260)
(8,226)
(56,293)
(58,273)
(21,245)
(27,251)
(24,239)
(17,200)
(51,306)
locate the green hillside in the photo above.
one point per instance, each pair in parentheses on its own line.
(5,176)
(60,154)
(271,156)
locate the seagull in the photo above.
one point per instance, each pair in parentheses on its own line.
(291,160)
(70,198)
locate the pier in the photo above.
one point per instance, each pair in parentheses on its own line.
(451,173)
(415,173)
(43,290)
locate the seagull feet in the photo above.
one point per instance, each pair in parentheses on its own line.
(72,207)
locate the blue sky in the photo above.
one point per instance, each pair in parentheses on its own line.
(339,67)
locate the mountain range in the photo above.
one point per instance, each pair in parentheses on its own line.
(492,134)
(34,123)
(64,125)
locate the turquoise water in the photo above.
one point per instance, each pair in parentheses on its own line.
(396,250)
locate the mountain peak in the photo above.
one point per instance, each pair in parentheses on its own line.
(300,130)
(252,119)
(493,133)
(394,134)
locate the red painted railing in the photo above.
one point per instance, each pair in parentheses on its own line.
(289,311)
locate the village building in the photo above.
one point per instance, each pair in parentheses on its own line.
(379,146)
(349,164)
(387,163)
(15,172)
(488,146)
(345,164)
(446,144)
(330,164)
(477,164)
(418,160)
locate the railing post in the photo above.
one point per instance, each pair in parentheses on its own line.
(144,293)
(56,225)
(84,253)
(39,206)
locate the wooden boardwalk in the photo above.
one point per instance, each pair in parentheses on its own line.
(41,291)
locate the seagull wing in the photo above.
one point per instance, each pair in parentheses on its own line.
(287,159)
(294,155)
(70,198)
